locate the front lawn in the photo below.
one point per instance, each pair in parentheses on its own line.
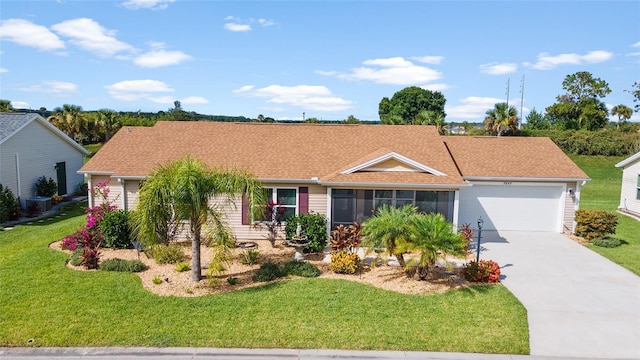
(603,193)
(43,300)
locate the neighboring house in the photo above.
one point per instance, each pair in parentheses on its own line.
(630,192)
(30,147)
(346,171)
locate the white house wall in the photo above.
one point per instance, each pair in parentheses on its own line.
(628,193)
(38,149)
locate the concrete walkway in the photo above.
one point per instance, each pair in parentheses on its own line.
(116,353)
(579,303)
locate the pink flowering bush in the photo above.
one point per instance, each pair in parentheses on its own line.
(90,238)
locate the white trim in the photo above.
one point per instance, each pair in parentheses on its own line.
(628,160)
(420,186)
(516,183)
(563,199)
(329,212)
(110,173)
(313,180)
(456,206)
(89,194)
(521,179)
(367,166)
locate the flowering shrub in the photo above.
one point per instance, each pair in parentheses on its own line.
(344,262)
(487,271)
(90,238)
(467,234)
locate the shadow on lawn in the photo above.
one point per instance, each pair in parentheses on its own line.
(61,212)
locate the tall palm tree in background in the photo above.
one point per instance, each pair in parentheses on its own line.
(428,117)
(70,119)
(109,121)
(624,113)
(188,189)
(500,119)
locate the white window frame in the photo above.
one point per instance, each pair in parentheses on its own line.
(638,188)
(274,197)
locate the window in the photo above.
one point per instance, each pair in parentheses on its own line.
(287,198)
(638,188)
(349,205)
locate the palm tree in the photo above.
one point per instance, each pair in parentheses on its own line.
(500,119)
(624,113)
(432,235)
(187,189)
(428,117)
(109,121)
(70,119)
(390,228)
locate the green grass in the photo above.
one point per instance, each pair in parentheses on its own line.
(603,193)
(41,299)
(93,148)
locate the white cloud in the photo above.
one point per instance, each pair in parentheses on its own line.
(58,88)
(636,44)
(308,97)
(326,73)
(26,33)
(147,4)
(20,105)
(471,108)
(495,68)
(194,100)
(131,90)
(435,87)
(237,27)
(547,62)
(429,59)
(4,70)
(160,57)
(394,71)
(265,22)
(91,36)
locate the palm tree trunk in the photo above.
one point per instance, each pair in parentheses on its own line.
(195,254)
(403,265)
(423,271)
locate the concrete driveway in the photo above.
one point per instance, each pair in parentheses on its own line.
(579,303)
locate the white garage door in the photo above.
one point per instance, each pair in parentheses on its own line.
(513,207)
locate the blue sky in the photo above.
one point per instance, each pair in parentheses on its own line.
(328,59)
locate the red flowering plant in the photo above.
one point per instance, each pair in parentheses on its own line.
(467,234)
(487,271)
(274,213)
(90,238)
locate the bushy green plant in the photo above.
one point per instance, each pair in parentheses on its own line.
(595,224)
(167,254)
(268,271)
(122,265)
(486,271)
(344,262)
(232,280)
(9,207)
(76,257)
(301,268)
(116,230)
(607,142)
(313,225)
(156,280)
(46,187)
(608,242)
(250,256)
(183,266)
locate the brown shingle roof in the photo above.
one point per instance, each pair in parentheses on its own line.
(306,151)
(509,157)
(278,151)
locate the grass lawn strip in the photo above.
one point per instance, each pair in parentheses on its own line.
(603,193)
(43,300)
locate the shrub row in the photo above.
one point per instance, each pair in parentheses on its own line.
(270,271)
(122,265)
(607,142)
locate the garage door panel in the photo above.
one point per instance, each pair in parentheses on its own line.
(504,207)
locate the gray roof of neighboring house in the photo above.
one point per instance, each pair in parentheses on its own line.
(10,123)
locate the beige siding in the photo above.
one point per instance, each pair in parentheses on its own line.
(628,193)
(131,193)
(115,190)
(570,203)
(38,149)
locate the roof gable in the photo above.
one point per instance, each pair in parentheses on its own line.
(628,161)
(12,123)
(392,162)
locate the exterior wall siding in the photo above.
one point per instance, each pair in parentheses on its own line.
(38,151)
(628,193)
(570,207)
(115,190)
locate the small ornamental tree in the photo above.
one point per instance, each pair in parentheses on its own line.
(46,187)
